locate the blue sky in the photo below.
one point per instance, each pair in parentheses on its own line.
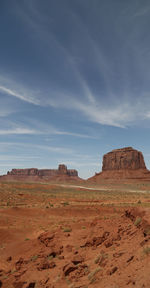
(74,82)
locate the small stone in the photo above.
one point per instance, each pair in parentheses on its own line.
(9,259)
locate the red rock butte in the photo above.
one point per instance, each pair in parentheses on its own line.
(124,158)
(34,174)
(124,163)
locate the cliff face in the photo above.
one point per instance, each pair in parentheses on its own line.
(34,174)
(62,170)
(23,172)
(125,158)
(125,163)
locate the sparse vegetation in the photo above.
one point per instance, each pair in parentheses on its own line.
(93,273)
(146,250)
(85,210)
(67,229)
(139,202)
(34,258)
(100,258)
(65,203)
(137,221)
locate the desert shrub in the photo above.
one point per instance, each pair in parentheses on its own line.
(93,273)
(139,202)
(67,229)
(146,250)
(65,203)
(137,221)
(33,258)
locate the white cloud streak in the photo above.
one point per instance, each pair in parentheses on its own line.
(116,114)
(23,97)
(61,150)
(19,131)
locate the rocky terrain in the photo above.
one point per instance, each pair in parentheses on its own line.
(77,236)
(44,175)
(52,237)
(124,163)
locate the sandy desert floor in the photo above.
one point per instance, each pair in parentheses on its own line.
(57,236)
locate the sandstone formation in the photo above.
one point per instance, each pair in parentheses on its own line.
(125,158)
(124,163)
(34,174)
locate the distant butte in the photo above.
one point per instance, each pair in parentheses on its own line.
(44,175)
(124,158)
(124,163)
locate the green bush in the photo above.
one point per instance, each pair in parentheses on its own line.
(137,221)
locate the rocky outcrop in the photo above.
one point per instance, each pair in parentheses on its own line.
(23,172)
(34,174)
(124,163)
(125,158)
(62,170)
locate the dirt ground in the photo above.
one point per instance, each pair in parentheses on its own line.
(57,236)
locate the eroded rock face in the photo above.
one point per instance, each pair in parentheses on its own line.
(61,171)
(25,172)
(122,159)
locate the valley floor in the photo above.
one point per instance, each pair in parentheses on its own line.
(54,236)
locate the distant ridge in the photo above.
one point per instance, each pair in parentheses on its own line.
(43,175)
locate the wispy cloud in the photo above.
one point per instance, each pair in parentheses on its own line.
(142,11)
(119,113)
(17,158)
(57,132)
(5,112)
(19,131)
(24,96)
(35,147)
(39,129)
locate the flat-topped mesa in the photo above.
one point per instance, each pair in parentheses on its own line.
(61,171)
(24,172)
(122,159)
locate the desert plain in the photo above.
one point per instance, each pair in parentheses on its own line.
(79,235)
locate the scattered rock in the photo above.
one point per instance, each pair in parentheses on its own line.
(61,257)
(45,264)
(145,241)
(19,263)
(96,241)
(46,238)
(69,248)
(112,271)
(109,243)
(130,259)
(19,284)
(118,254)
(77,259)
(31,285)
(9,259)
(67,269)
